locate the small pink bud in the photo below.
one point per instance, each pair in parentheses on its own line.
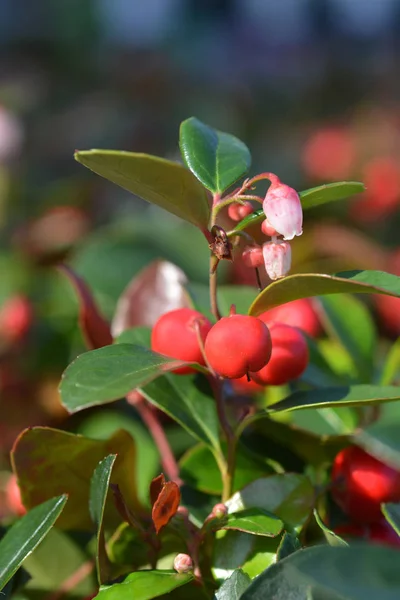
(253,256)
(277,258)
(267,229)
(238,211)
(183,563)
(219,511)
(283,209)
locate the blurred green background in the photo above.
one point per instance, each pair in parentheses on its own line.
(311,86)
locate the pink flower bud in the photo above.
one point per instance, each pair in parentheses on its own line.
(219,510)
(183,563)
(283,209)
(277,258)
(267,229)
(253,256)
(238,211)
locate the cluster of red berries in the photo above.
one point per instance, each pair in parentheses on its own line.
(237,347)
(360,484)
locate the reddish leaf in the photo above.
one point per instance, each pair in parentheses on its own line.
(95,329)
(157,289)
(156,487)
(166,505)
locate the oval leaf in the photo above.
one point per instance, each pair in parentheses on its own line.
(109,373)
(144,585)
(391,512)
(217,159)
(23,537)
(352,395)
(234,586)
(314,284)
(255,521)
(330,192)
(99,486)
(154,179)
(391,368)
(166,505)
(49,462)
(331,537)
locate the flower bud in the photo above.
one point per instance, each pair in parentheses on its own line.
(267,229)
(253,256)
(277,258)
(238,211)
(283,209)
(183,563)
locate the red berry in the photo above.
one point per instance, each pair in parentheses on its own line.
(360,483)
(380,532)
(174,335)
(329,153)
(238,344)
(15,318)
(237,211)
(289,356)
(298,313)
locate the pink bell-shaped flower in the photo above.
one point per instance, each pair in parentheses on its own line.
(253,256)
(283,209)
(277,258)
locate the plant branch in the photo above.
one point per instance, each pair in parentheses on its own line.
(214,261)
(168,461)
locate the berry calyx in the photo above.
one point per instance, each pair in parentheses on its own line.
(289,356)
(238,211)
(360,483)
(237,345)
(175,335)
(298,313)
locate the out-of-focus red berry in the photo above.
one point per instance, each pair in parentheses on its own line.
(289,356)
(381,176)
(238,344)
(174,335)
(16,317)
(246,387)
(329,154)
(380,532)
(237,211)
(360,483)
(298,313)
(13,497)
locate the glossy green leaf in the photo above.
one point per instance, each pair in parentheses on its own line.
(199,469)
(391,368)
(234,586)
(326,421)
(314,284)
(99,486)
(154,179)
(216,158)
(391,512)
(330,192)
(381,438)
(144,585)
(331,537)
(23,537)
(50,462)
(290,543)
(354,395)
(350,322)
(255,521)
(108,374)
(289,496)
(309,198)
(189,401)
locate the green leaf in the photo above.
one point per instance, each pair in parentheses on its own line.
(330,192)
(189,401)
(331,537)
(352,395)
(255,521)
(109,373)
(391,368)
(234,586)
(23,537)
(154,179)
(99,486)
(391,513)
(144,585)
(290,543)
(381,438)
(234,549)
(310,198)
(305,285)
(326,421)
(138,336)
(49,462)
(217,159)
(199,469)
(289,496)
(350,322)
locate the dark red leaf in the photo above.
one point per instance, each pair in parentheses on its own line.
(155,488)
(95,329)
(166,505)
(157,289)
